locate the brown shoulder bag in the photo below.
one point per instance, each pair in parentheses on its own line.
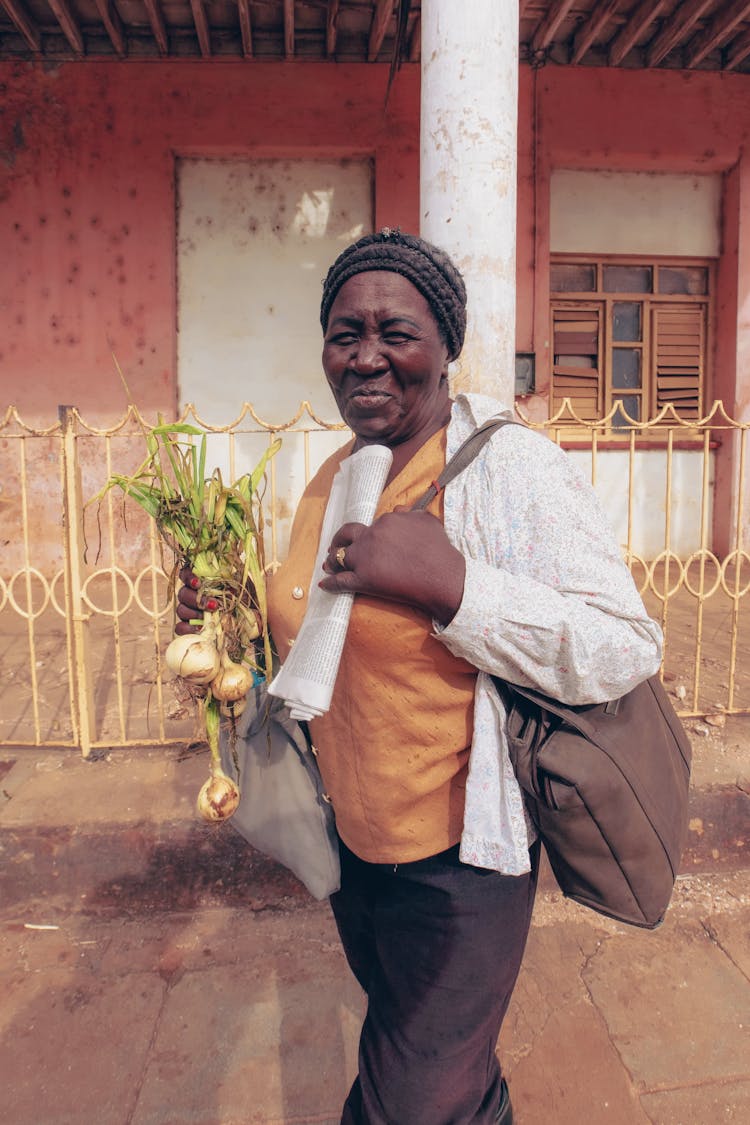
(606,784)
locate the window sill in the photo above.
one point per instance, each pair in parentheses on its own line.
(641,443)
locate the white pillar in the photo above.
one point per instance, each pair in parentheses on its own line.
(468,172)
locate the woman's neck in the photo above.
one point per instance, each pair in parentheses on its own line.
(404,451)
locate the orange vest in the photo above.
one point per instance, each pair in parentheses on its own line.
(393,748)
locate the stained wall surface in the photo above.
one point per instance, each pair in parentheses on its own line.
(88,209)
(602,212)
(627,121)
(88,213)
(254,241)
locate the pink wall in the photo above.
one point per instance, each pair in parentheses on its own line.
(667,121)
(742,393)
(87,210)
(634,120)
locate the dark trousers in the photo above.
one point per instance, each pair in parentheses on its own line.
(437,946)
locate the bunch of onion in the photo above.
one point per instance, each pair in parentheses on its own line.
(216,531)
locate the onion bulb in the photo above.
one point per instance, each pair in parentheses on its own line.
(251,626)
(218,798)
(193,657)
(232,682)
(251,631)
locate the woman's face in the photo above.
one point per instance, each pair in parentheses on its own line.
(385,359)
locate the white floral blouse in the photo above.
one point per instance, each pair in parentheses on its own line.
(548,603)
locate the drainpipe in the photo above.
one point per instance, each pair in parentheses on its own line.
(468,161)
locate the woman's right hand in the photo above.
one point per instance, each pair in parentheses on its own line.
(190,605)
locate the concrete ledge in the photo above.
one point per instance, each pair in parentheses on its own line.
(181,865)
(126,868)
(122,833)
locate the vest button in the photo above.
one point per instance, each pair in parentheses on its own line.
(298,593)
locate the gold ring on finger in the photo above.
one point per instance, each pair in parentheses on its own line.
(341,557)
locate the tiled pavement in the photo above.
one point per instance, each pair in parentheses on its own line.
(157,973)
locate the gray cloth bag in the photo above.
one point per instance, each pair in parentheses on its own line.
(282,811)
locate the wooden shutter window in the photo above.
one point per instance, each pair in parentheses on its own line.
(679,358)
(576,335)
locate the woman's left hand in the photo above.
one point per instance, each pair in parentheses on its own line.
(404,556)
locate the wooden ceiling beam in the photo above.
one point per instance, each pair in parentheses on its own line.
(158,30)
(593,26)
(332,19)
(67,21)
(289,29)
(675,29)
(25,25)
(642,17)
(717,31)
(113,23)
(201,27)
(545,32)
(380,20)
(246,27)
(415,40)
(739,51)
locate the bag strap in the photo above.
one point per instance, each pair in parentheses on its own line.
(574,715)
(463,456)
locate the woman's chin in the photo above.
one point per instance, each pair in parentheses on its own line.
(370,427)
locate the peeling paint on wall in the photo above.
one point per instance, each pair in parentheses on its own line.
(87,214)
(635,212)
(255,239)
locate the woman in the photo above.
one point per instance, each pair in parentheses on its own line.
(510,572)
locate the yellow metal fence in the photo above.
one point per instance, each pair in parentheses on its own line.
(85,599)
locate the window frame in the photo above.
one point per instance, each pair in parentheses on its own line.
(605,301)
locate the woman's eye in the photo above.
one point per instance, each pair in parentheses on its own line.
(396,338)
(343,339)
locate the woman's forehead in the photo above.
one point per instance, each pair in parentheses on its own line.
(379,293)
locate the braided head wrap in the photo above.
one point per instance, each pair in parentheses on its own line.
(424,265)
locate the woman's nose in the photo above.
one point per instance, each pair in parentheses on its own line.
(368,357)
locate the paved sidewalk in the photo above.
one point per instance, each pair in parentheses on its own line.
(155,972)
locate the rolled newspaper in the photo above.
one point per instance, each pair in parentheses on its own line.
(305,682)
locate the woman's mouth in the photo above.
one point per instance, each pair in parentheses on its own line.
(368,398)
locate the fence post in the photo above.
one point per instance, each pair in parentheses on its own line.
(76,616)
